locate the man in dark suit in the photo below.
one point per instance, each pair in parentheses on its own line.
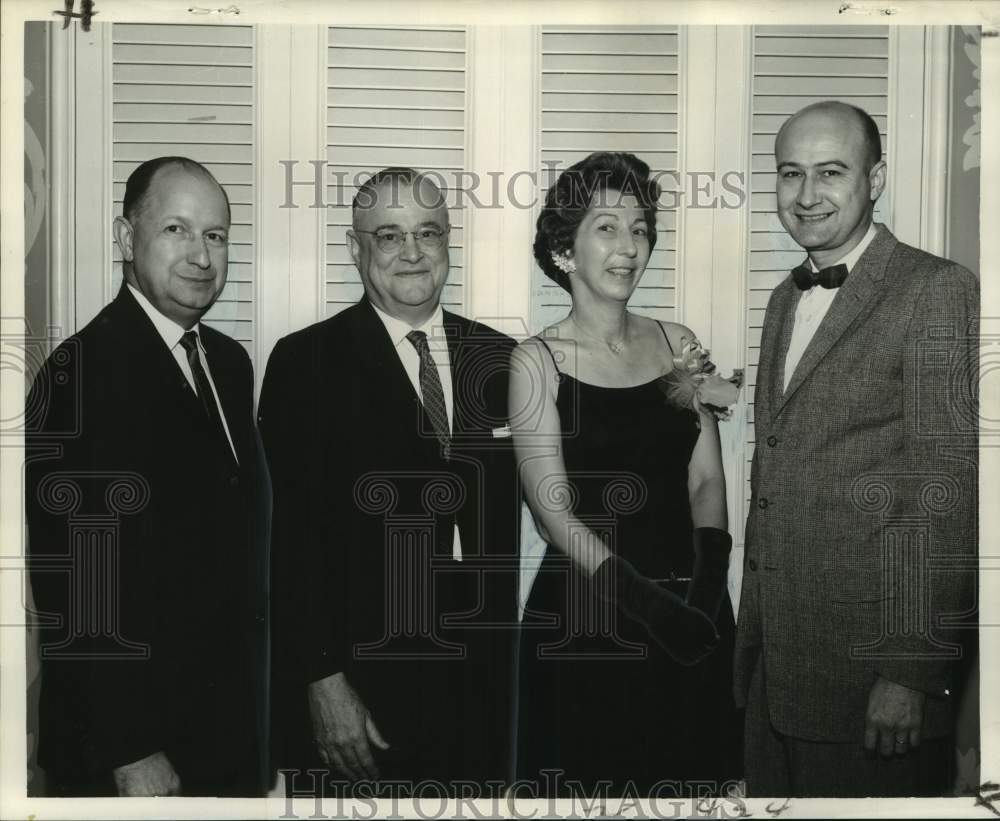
(395,519)
(140,502)
(861,537)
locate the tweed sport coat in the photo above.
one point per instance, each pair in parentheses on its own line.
(861,537)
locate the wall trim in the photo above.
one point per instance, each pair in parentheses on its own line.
(937,137)
(82,192)
(502,64)
(62,174)
(730,265)
(918,103)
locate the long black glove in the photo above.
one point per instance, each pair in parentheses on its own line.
(711,570)
(683,631)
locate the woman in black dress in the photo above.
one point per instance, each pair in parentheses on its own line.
(626,662)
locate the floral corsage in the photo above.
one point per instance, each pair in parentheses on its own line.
(694,382)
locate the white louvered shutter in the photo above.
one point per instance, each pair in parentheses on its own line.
(794,66)
(611,89)
(188,91)
(395,97)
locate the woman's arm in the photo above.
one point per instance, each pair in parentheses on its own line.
(711,541)
(534,422)
(683,631)
(706,480)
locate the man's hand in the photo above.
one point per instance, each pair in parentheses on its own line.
(894,717)
(153,775)
(343,728)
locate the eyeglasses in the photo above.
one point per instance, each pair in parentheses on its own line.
(389,240)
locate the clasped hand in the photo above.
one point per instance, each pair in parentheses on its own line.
(893,719)
(152,776)
(343,729)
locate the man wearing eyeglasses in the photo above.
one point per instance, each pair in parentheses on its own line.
(395,519)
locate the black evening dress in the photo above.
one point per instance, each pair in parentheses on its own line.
(599,701)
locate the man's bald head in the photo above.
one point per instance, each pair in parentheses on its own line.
(383,188)
(842,112)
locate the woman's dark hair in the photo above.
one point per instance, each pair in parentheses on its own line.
(574,192)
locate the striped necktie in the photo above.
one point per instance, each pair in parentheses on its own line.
(431,391)
(189,342)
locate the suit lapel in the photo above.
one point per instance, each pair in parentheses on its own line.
(231,396)
(864,282)
(771,381)
(383,375)
(153,362)
(453,330)
(380,355)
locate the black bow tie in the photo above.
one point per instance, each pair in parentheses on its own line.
(832,277)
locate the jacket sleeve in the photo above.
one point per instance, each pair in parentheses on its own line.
(96,666)
(933,583)
(309,601)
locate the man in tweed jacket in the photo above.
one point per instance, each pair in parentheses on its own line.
(861,539)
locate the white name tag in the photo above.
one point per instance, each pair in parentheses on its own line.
(502,433)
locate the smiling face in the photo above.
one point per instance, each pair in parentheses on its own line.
(176,248)
(405,283)
(826,192)
(611,248)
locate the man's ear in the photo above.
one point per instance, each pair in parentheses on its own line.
(876,180)
(353,245)
(123,231)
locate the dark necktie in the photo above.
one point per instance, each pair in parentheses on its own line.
(832,277)
(189,342)
(430,388)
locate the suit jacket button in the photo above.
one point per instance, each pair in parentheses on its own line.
(752,564)
(772,441)
(762,503)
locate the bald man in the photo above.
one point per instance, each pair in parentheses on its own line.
(396,509)
(862,527)
(141,519)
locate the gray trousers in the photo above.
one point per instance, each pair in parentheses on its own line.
(777,765)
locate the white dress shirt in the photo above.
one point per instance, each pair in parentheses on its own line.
(813,305)
(437,343)
(171,334)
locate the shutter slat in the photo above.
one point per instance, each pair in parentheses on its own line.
(188,91)
(611,89)
(395,96)
(795,66)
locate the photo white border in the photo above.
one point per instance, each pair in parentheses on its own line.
(985,13)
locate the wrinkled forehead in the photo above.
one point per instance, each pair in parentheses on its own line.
(398,202)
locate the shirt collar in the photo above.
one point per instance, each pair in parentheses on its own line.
(850,259)
(398,329)
(168,330)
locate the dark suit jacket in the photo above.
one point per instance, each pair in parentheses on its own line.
(364,509)
(142,548)
(861,537)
